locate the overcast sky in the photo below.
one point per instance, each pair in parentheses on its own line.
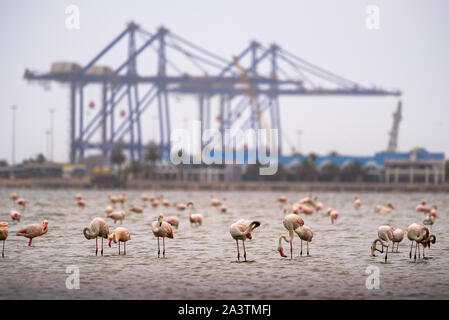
(409,52)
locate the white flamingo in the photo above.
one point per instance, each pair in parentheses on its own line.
(420,235)
(98,228)
(384,236)
(120,235)
(242,230)
(398,236)
(305,234)
(161,229)
(291,222)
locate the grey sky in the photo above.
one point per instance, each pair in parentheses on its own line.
(409,52)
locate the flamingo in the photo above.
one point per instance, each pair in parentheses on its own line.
(291,222)
(13,197)
(109,209)
(429,221)
(78,196)
(423,208)
(113,200)
(151,198)
(196,219)
(144,199)
(381,209)
(224,208)
(180,206)
(419,234)
(357,202)
(384,236)
(165,203)
(15,215)
(33,230)
(433,212)
(136,209)
(305,234)
(173,221)
(98,228)
(333,214)
(214,201)
(155,203)
(122,199)
(120,235)
(305,209)
(282,200)
(117,215)
(22,203)
(398,236)
(161,229)
(81,204)
(3,235)
(242,230)
(318,205)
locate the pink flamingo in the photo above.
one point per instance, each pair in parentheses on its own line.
(81,204)
(33,230)
(120,235)
(242,230)
(13,197)
(22,203)
(78,196)
(196,219)
(214,201)
(3,235)
(357,202)
(384,236)
(136,209)
(291,222)
(161,229)
(109,209)
(305,234)
(117,215)
(15,215)
(333,214)
(173,221)
(98,228)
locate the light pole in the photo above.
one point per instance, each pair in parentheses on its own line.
(13,155)
(47,151)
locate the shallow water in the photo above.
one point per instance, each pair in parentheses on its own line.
(201,262)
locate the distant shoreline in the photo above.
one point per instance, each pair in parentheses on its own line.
(279,186)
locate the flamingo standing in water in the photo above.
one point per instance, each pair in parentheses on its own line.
(155,203)
(3,235)
(78,196)
(15,215)
(136,209)
(122,199)
(117,215)
(214,201)
(196,219)
(357,202)
(420,235)
(305,234)
(282,200)
(291,222)
(120,235)
(398,236)
(173,221)
(306,209)
(33,230)
(109,209)
(384,236)
(22,203)
(13,197)
(165,203)
(429,221)
(144,199)
(161,229)
(242,230)
(180,206)
(98,228)
(81,204)
(333,214)
(113,200)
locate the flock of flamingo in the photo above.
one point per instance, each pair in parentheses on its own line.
(240,230)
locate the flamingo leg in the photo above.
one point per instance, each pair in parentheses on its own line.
(415,249)
(124,248)
(386,255)
(244,250)
(307,247)
(3,250)
(29,243)
(291,249)
(238,250)
(411,249)
(419,252)
(301,248)
(158,248)
(119,248)
(163,246)
(96,245)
